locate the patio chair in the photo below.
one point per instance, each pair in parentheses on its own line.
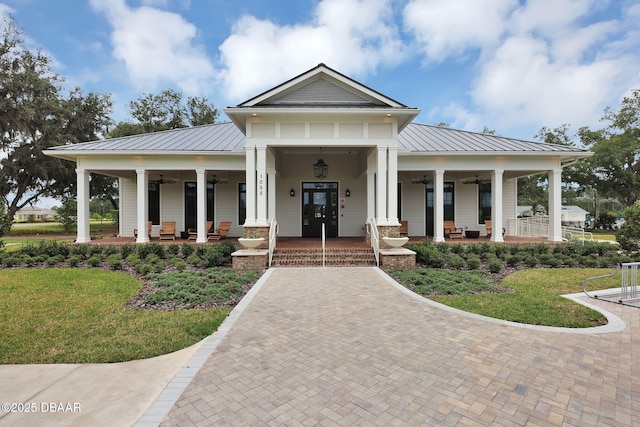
(489,228)
(219,233)
(149,225)
(168,230)
(193,232)
(451,231)
(404,228)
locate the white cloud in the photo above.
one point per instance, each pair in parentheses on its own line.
(522,85)
(353,36)
(543,62)
(157,47)
(449,28)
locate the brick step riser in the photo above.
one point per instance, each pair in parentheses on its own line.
(313,257)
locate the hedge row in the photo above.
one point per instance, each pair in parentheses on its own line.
(494,257)
(144,259)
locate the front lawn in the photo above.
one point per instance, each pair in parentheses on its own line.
(69,315)
(529,296)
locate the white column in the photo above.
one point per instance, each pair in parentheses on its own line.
(555,205)
(438,206)
(393,186)
(142,197)
(496,206)
(271,194)
(120,215)
(250,163)
(201,202)
(84,233)
(261,185)
(371,194)
(381,190)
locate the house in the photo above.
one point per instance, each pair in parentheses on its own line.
(34,213)
(574,216)
(320,148)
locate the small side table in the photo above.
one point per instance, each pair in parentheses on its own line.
(472,234)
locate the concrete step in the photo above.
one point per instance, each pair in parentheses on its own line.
(355,257)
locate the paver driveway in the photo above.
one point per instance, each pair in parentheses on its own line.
(346,347)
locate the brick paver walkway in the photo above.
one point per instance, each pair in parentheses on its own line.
(344,347)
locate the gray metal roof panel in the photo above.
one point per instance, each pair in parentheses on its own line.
(226,137)
(214,137)
(427,138)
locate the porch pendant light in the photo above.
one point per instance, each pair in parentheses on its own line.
(320,169)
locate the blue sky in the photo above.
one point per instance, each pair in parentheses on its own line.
(510,65)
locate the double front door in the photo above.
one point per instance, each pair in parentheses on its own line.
(319,206)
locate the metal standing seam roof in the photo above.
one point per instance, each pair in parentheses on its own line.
(226,137)
(426,138)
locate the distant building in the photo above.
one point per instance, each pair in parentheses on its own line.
(573,215)
(34,213)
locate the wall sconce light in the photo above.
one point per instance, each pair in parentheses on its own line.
(347,193)
(292,192)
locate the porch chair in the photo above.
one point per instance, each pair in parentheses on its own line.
(219,233)
(149,225)
(451,231)
(489,228)
(193,232)
(168,230)
(404,228)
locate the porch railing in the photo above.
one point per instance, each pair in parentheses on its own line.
(538,226)
(374,238)
(273,233)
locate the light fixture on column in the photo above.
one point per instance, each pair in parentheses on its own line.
(320,169)
(292,192)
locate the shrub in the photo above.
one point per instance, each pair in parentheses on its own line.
(187,249)
(429,282)
(553,262)
(95,260)
(456,262)
(530,260)
(56,259)
(512,260)
(194,260)
(127,249)
(114,261)
(151,248)
(95,250)
(81,250)
(473,262)
(179,264)
(173,249)
(75,260)
(495,265)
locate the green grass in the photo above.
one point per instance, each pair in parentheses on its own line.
(38,229)
(79,316)
(534,298)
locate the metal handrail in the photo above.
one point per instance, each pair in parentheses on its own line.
(273,232)
(375,239)
(323,245)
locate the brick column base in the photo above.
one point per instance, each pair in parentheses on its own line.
(258,231)
(244,260)
(398,258)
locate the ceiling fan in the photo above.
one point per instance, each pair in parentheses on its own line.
(424,180)
(164,181)
(476,181)
(214,180)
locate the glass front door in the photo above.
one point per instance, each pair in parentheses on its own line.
(319,206)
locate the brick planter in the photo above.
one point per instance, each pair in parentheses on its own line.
(398,258)
(244,260)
